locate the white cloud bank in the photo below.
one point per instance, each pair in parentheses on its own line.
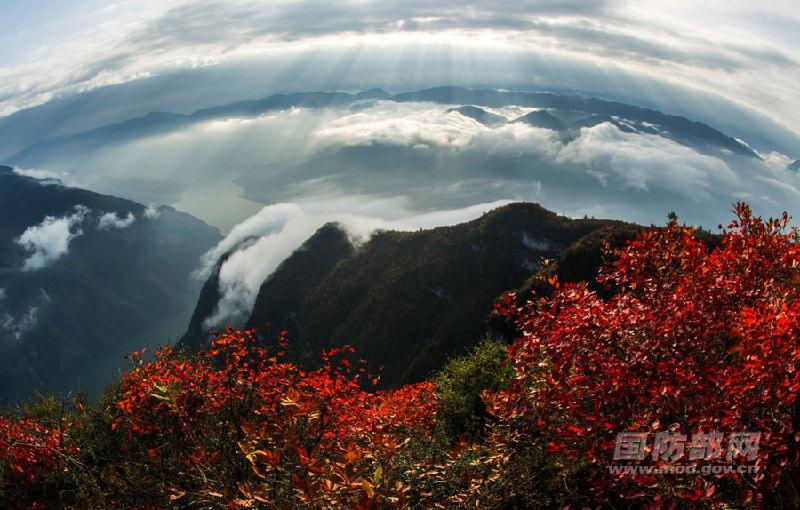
(644,161)
(111,220)
(49,240)
(436,159)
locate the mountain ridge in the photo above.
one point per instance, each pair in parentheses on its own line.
(680,129)
(407,300)
(110,286)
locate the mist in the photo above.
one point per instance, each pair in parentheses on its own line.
(225,170)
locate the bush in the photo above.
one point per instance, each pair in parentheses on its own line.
(699,337)
(697,340)
(460,386)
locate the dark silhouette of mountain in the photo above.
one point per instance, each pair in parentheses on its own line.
(406,300)
(373,94)
(479,114)
(542,119)
(794,165)
(70,322)
(65,146)
(276,102)
(593,111)
(307,266)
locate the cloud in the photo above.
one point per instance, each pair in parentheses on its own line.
(289,21)
(111,220)
(151,212)
(644,161)
(18,326)
(745,53)
(49,240)
(431,125)
(676,48)
(46,176)
(228,169)
(641,177)
(282,228)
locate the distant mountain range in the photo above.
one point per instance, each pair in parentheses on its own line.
(557,112)
(410,300)
(84,278)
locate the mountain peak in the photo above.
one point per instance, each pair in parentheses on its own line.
(542,119)
(479,114)
(407,300)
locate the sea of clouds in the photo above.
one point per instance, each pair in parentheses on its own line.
(278,177)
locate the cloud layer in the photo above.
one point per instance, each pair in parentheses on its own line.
(389,165)
(278,177)
(431,158)
(744,52)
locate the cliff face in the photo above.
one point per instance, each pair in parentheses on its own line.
(116,285)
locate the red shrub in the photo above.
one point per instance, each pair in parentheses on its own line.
(309,437)
(28,450)
(696,339)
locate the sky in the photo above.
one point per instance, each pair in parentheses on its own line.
(67,67)
(741,50)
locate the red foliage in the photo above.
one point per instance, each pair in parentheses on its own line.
(696,339)
(29,450)
(314,435)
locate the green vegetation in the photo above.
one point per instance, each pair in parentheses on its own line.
(406,301)
(462,381)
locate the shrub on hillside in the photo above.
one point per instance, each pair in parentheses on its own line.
(460,386)
(698,340)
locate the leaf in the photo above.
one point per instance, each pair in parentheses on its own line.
(376,476)
(367,488)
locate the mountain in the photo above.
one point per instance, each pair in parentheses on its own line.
(794,165)
(479,114)
(405,300)
(373,94)
(209,296)
(677,128)
(562,111)
(85,277)
(542,119)
(76,144)
(162,122)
